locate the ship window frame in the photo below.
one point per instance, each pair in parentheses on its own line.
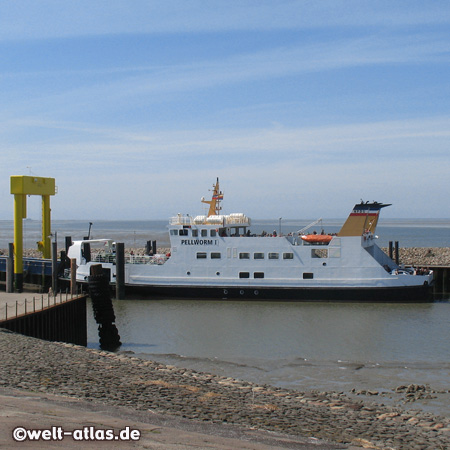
(258,275)
(215,255)
(174,232)
(258,255)
(212,233)
(202,255)
(308,275)
(274,255)
(194,232)
(288,255)
(244,274)
(244,255)
(204,232)
(183,232)
(319,253)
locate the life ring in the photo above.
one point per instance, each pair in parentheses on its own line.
(256,292)
(241,292)
(225,291)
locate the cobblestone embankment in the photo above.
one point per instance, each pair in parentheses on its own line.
(121,380)
(424,256)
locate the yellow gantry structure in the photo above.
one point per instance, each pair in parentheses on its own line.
(21,186)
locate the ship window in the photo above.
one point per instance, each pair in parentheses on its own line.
(274,255)
(204,233)
(244,275)
(194,233)
(244,255)
(334,252)
(258,275)
(288,256)
(183,232)
(258,255)
(215,255)
(308,275)
(319,253)
(201,255)
(174,232)
(213,233)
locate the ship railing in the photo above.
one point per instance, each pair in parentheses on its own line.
(110,258)
(181,220)
(153,260)
(238,221)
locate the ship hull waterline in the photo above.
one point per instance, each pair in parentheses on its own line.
(404,294)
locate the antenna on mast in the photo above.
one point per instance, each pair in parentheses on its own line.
(214,203)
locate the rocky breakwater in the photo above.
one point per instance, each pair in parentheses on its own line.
(424,256)
(121,380)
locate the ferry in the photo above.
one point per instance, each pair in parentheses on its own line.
(216,256)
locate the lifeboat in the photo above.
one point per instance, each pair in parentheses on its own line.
(317,238)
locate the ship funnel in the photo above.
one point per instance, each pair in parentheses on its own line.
(363,218)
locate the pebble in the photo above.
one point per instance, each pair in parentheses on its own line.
(124,380)
(423,256)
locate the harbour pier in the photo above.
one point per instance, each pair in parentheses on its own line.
(53,318)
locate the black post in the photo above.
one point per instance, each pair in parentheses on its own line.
(397,257)
(154,247)
(391,254)
(10,269)
(54,268)
(103,309)
(120,271)
(68,243)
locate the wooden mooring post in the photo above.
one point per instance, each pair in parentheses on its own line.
(99,291)
(120,271)
(10,269)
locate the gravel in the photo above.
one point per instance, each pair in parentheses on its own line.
(123,380)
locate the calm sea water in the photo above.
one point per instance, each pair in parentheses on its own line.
(303,346)
(324,346)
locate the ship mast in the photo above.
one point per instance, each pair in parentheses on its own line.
(214,203)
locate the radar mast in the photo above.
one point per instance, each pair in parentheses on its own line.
(214,203)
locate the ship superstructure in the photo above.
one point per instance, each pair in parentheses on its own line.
(217,256)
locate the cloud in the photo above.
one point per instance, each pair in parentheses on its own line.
(114,150)
(156,84)
(47,19)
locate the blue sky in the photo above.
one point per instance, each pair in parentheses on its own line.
(301,108)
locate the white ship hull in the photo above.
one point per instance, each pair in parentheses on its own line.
(217,257)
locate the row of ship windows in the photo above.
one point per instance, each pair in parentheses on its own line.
(194,232)
(245,255)
(306,275)
(315,253)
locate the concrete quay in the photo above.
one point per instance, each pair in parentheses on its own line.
(44,384)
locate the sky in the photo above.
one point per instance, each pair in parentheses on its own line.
(301,108)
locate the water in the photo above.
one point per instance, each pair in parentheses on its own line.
(303,346)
